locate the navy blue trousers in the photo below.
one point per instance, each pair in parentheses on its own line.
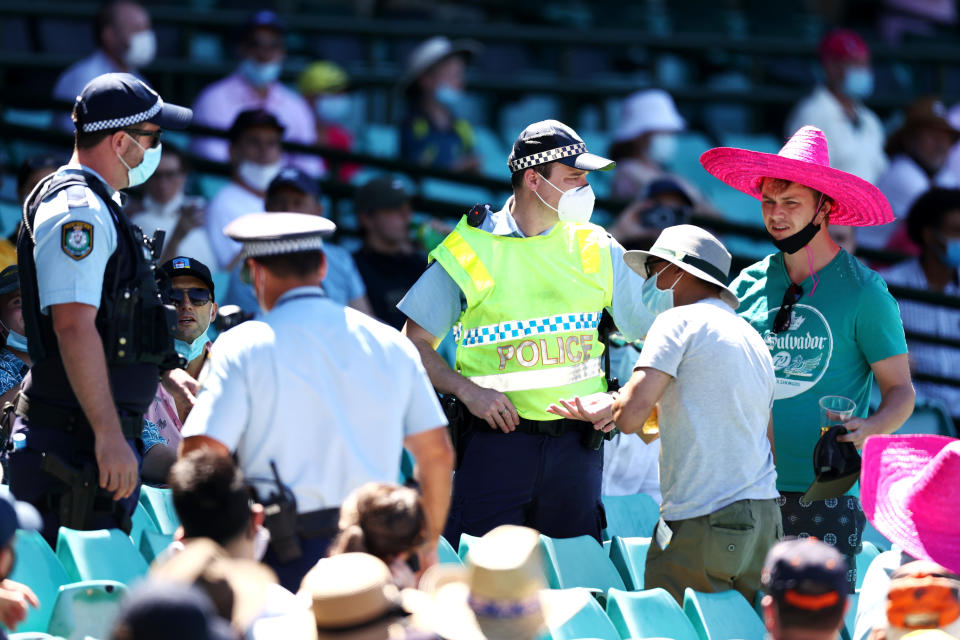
(291,573)
(28,482)
(548,483)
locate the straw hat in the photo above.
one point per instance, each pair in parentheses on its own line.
(910,491)
(497,595)
(925,113)
(804,159)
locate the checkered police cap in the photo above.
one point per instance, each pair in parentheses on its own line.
(553,141)
(118,100)
(274,234)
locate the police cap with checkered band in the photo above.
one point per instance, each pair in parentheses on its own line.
(119,100)
(552,141)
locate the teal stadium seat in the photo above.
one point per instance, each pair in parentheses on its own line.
(761,142)
(574,613)
(864,558)
(929,417)
(723,615)
(578,562)
(105,554)
(492,153)
(38,568)
(630,516)
(153,543)
(159,504)
(382,140)
(686,160)
(33,635)
(850,619)
(142,522)
(648,614)
(463,195)
(629,556)
(464,548)
(870,534)
(86,609)
(446,554)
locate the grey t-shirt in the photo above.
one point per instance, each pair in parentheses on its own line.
(435,302)
(714,413)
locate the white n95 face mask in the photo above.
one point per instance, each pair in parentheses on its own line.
(576,205)
(142,49)
(258,176)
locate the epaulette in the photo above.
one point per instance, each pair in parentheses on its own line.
(77,196)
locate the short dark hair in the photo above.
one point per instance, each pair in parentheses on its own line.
(91,139)
(210,496)
(32,164)
(105,17)
(292,265)
(516,178)
(826,619)
(929,210)
(381,519)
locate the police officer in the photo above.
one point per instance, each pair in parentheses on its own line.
(523,289)
(314,399)
(96,327)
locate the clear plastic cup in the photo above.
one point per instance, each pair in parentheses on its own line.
(834,411)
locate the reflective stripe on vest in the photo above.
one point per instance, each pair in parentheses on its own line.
(540,378)
(511,330)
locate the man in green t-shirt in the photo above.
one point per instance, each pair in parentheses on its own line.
(829,322)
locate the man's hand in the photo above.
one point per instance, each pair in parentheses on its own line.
(14,599)
(492,406)
(119,472)
(597,408)
(183,387)
(858,430)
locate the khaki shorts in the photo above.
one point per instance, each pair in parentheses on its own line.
(716,552)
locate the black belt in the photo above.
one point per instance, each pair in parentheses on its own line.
(323,523)
(72,420)
(550,427)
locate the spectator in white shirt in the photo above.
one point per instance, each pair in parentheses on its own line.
(255,85)
(125,43)
(854,132)
(255,160)
(934,225)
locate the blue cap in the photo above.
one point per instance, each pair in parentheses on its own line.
(14,515)
(118,100)
(552,141)
(296,178)
(264,19)
(186,266)
(155,610)
(806,574)
(9,280)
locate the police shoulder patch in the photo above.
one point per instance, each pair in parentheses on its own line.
(76,239)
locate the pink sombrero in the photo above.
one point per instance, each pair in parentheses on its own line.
(804,160)
(910,491)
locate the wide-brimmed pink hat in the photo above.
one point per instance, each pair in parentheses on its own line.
(804,160)
(910,491)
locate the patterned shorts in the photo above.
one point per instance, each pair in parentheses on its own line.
(838,521)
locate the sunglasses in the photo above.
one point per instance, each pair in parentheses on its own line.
(782,322)
(198,296)
(154,135)
(650,264)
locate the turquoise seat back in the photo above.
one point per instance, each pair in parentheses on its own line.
(864,558)
(159,504)
(723,615)
(446,554)
(629,556)
(153,543)
(38,568)
(575,613)
(648,614)
(630,516)
(86,609)
(578,562)
(142,522)
(105,554)
(465,541)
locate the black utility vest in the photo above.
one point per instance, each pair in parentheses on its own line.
(132,322)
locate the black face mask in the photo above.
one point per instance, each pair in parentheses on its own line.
(792,244)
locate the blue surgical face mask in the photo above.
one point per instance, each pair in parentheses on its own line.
(663,147)
(141,173)
(260,74)
(449,97)
(17,342)
(192,350)
(655,299)
(858,82)
(951,254)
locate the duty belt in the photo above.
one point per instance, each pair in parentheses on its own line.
(72,420)
(322,523)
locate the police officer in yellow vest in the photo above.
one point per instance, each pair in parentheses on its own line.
(523,289)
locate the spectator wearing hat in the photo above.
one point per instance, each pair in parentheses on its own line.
(159,610)
(166,206)
(254,161)
(806,590)
(921,595)
(256,85)
(126,43)
(31,171)
(293,191)
(85,275)
(434,132)
(854,132)
(15,598)
(933,224)
(325,85)
(14,356)
(918,153)
(665,203)
(388,261)
(314,399)
(525,287)
(719,515)
(829,322)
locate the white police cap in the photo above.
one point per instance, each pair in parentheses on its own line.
(273,234)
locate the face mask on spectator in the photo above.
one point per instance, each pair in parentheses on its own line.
(141,173)
(655,299)
(258,176)
(951,254)
(15,340)
(858,82)
(449,97)
(576,205)
(334,108)
(260,74)
(142,49)
(663,146)
(192,350)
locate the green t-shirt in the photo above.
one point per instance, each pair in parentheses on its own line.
(850,322)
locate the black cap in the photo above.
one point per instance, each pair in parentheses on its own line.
(253,118)
(9,280)
(118,100)
(553,141)
(161,610)
(835,464)
(383,192)
(184,266)
(805,574)
(263,19)
(296,178)
(661,186)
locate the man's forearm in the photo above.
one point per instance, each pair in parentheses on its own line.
(82,352)
(433,475)
(442,377)
(895,408)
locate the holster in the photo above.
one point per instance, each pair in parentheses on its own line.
(459,424)
(81,496)
(280,518)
